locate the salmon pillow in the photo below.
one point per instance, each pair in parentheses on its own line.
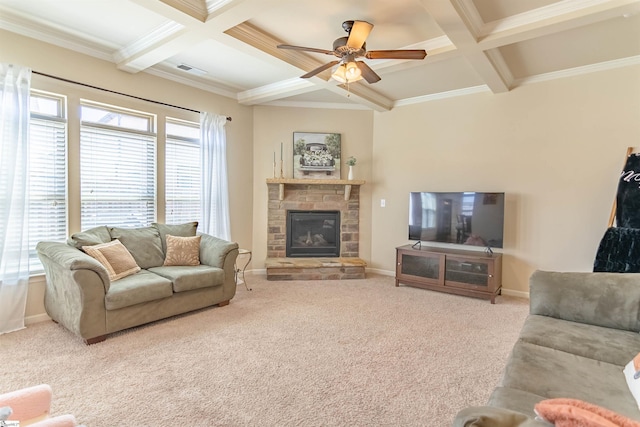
(577,413)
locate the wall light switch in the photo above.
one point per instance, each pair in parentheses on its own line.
(383,203)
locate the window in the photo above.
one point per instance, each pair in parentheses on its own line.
(48,174)
(182,173)
(468,199)
(117,166)
(428,210)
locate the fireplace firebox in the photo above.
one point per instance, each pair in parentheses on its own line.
(313,234)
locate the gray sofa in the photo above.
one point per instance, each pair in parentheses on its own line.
(80,295)
(581,331)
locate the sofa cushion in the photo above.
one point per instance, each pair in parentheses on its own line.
(555,373)
(143,243)
(515,400)
(182,250)
(189,278)
(183,230)
(91,237)
(115,258)
(141,287)
(595,342)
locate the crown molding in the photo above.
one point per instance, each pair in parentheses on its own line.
(578,71)
(321,105)
(469,13)
(30,27)
(443,95)
(209,87)
(562,9)
(500,66)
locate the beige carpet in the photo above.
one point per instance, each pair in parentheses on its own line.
(319,353)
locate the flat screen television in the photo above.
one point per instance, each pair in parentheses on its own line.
(465,218)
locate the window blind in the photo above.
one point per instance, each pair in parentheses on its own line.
(182,172)
(117,168)
(47,173)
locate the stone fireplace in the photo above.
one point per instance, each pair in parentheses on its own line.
(324,216)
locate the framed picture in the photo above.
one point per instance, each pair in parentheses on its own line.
(316,155)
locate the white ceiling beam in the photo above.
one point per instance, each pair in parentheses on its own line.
(460,30)
(246,34)
(153,48)
(194,8)
(275,91)
(140,56)
(562,16)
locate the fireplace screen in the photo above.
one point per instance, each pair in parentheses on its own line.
(313,233)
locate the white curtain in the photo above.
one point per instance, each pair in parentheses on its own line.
(215,192)
(14,199)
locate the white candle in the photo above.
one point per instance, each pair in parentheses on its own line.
(281,150)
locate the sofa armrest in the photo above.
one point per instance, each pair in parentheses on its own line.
(488,416)
(28,404)
(611,300)
(75,289)
(214,251)
(70,258)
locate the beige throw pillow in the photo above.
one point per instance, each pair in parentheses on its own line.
(115,257)
(182,250)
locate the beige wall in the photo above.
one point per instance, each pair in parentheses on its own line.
(60,62)
(275,125)
(555,148)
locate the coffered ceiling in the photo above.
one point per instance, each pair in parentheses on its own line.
(230,45)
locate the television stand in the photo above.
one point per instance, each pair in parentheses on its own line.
(461,272)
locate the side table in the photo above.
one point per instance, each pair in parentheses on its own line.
(239,270)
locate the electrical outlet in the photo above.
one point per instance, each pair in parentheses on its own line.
(383,203)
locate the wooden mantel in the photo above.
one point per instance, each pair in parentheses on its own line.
(291,181)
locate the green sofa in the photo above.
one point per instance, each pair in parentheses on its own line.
(80,295)
(581,331)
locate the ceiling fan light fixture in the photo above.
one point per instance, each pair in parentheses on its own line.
(347,73)
(352,71)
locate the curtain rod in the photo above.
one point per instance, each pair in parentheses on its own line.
(117,93)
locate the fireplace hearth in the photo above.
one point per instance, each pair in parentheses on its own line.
(313,234)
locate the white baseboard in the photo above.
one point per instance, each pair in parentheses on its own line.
(381,272)
(37,318)
(512,293)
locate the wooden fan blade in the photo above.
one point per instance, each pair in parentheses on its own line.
(319,69)
(367,73)
(396,54)
(359,33)
(306,49)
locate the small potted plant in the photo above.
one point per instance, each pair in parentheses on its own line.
(351,161)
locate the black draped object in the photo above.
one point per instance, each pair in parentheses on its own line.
(619,249)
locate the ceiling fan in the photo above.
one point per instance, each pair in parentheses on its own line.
(349,48)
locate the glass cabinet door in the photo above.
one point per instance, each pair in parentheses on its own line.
(465,272)
(427,267)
